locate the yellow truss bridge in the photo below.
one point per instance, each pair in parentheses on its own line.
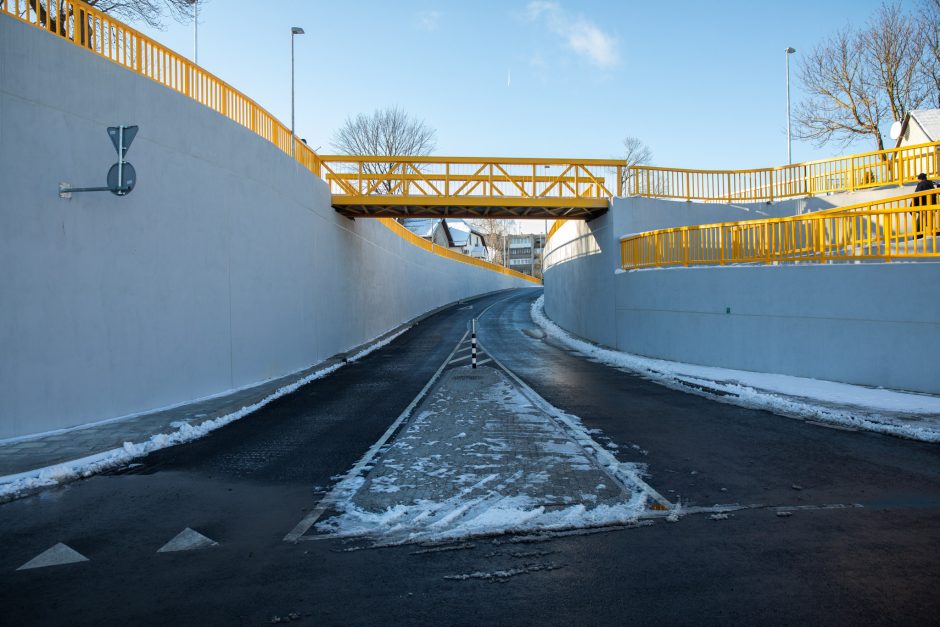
(470,187)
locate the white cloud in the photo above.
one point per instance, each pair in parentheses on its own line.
(428,20)
(581,35)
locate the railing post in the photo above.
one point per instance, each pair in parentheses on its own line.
(818,234)
(619,180)
(766,243)
(851,186)
(688,189)
(685,247)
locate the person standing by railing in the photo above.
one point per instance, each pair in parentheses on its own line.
(923,184)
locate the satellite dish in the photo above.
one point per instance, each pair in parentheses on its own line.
(895,130)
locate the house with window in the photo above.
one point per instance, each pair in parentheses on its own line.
(525,253)
(466,239)
(452,233)
(919,127)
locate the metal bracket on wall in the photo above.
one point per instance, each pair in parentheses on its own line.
(121,176)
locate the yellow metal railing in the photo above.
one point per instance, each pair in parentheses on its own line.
(101,34)
(887,230)
(555,226)
(894,166)
(472,177)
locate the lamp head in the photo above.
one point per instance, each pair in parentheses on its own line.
(296,30)
(791,50)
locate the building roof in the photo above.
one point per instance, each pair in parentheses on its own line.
(927,119)
(422,227)
(456,230)
(460,232)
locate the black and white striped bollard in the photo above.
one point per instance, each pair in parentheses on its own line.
(473,342)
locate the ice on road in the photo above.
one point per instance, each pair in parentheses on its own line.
(478,458)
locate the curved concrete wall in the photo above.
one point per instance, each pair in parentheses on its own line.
(871,324)
(226,266)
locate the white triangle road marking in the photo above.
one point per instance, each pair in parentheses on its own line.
(54,556)
(187,540)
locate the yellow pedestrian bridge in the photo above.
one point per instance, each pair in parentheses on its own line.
(484,187)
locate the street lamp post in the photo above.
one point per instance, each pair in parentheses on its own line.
(295,30)
(789,51)
(195,5)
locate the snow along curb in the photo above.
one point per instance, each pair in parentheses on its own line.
(14,486)
(905,414)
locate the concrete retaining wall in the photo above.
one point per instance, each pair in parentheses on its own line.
(872,324)
(226,266)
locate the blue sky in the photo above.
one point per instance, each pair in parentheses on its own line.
(702,83)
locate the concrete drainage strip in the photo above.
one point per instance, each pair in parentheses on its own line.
(479,453)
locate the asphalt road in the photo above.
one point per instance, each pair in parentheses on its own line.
(248,484)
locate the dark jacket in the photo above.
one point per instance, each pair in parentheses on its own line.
(923,186)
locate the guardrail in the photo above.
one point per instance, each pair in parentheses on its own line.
(887,230)
(555,226)
(101,34)
(472,177)
(894,166)
(95,31)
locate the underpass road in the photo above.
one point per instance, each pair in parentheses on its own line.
(695,446)
(248,484)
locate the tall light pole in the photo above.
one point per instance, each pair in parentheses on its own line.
(295,30)
(789,51)
(196,32)
(195,4)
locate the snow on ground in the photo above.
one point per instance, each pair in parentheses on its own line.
(905,414)
(13,486)
(478,458)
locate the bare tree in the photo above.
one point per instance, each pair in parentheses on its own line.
(152,12)
(635,152)
(841,105)
(894,46)
(930,32)
(858,80)
(386,132)
(496,233)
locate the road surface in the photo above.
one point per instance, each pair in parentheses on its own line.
(861,542)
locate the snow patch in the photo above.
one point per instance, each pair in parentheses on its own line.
(13,486)
(906,414)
